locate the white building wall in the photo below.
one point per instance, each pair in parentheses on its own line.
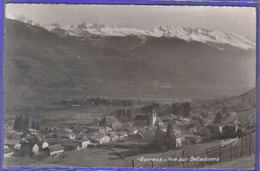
(220,129)
(153,118)
(180,141)
(85,144)
(105,139)
(17,146)
(35,149)
(7,155)
(45,145)
(56,152)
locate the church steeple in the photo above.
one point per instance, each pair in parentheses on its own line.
(153,117)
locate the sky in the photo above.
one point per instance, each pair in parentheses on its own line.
(239,20)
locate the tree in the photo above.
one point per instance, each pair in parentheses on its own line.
(44,121)
(149,108)
(20,126)
(218,118)
(187,109)
(159,137)
(26,122)
(224,111)
(175,108)
(37,126)
(33,125)
(170,137)
(16,123)
(128,113)
(181,109)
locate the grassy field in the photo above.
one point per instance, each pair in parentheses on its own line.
(103,157)
(242,163)
(116,157)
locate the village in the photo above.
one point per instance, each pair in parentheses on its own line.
(125,128)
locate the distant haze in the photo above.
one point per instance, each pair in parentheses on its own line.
(240,20)
(45,65)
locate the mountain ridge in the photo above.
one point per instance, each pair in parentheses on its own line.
(188,34)
(39,63)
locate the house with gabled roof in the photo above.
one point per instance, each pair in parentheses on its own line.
(101,139)
(8,152)
(113,136)
(111,121)
(55,149)
(68,144)
(93,129)
(122,135)
(64,133)
(35,149)
(44,144)
(82,144)
(12,143)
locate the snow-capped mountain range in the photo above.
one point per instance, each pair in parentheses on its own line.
(188,34)
(45,63)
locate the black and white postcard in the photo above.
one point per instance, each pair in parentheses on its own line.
(138,86)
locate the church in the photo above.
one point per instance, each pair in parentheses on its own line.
(146,119)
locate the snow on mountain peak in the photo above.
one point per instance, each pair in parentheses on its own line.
(96,26)
(188,34)
(23,19)
(82,26)
(203,35)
